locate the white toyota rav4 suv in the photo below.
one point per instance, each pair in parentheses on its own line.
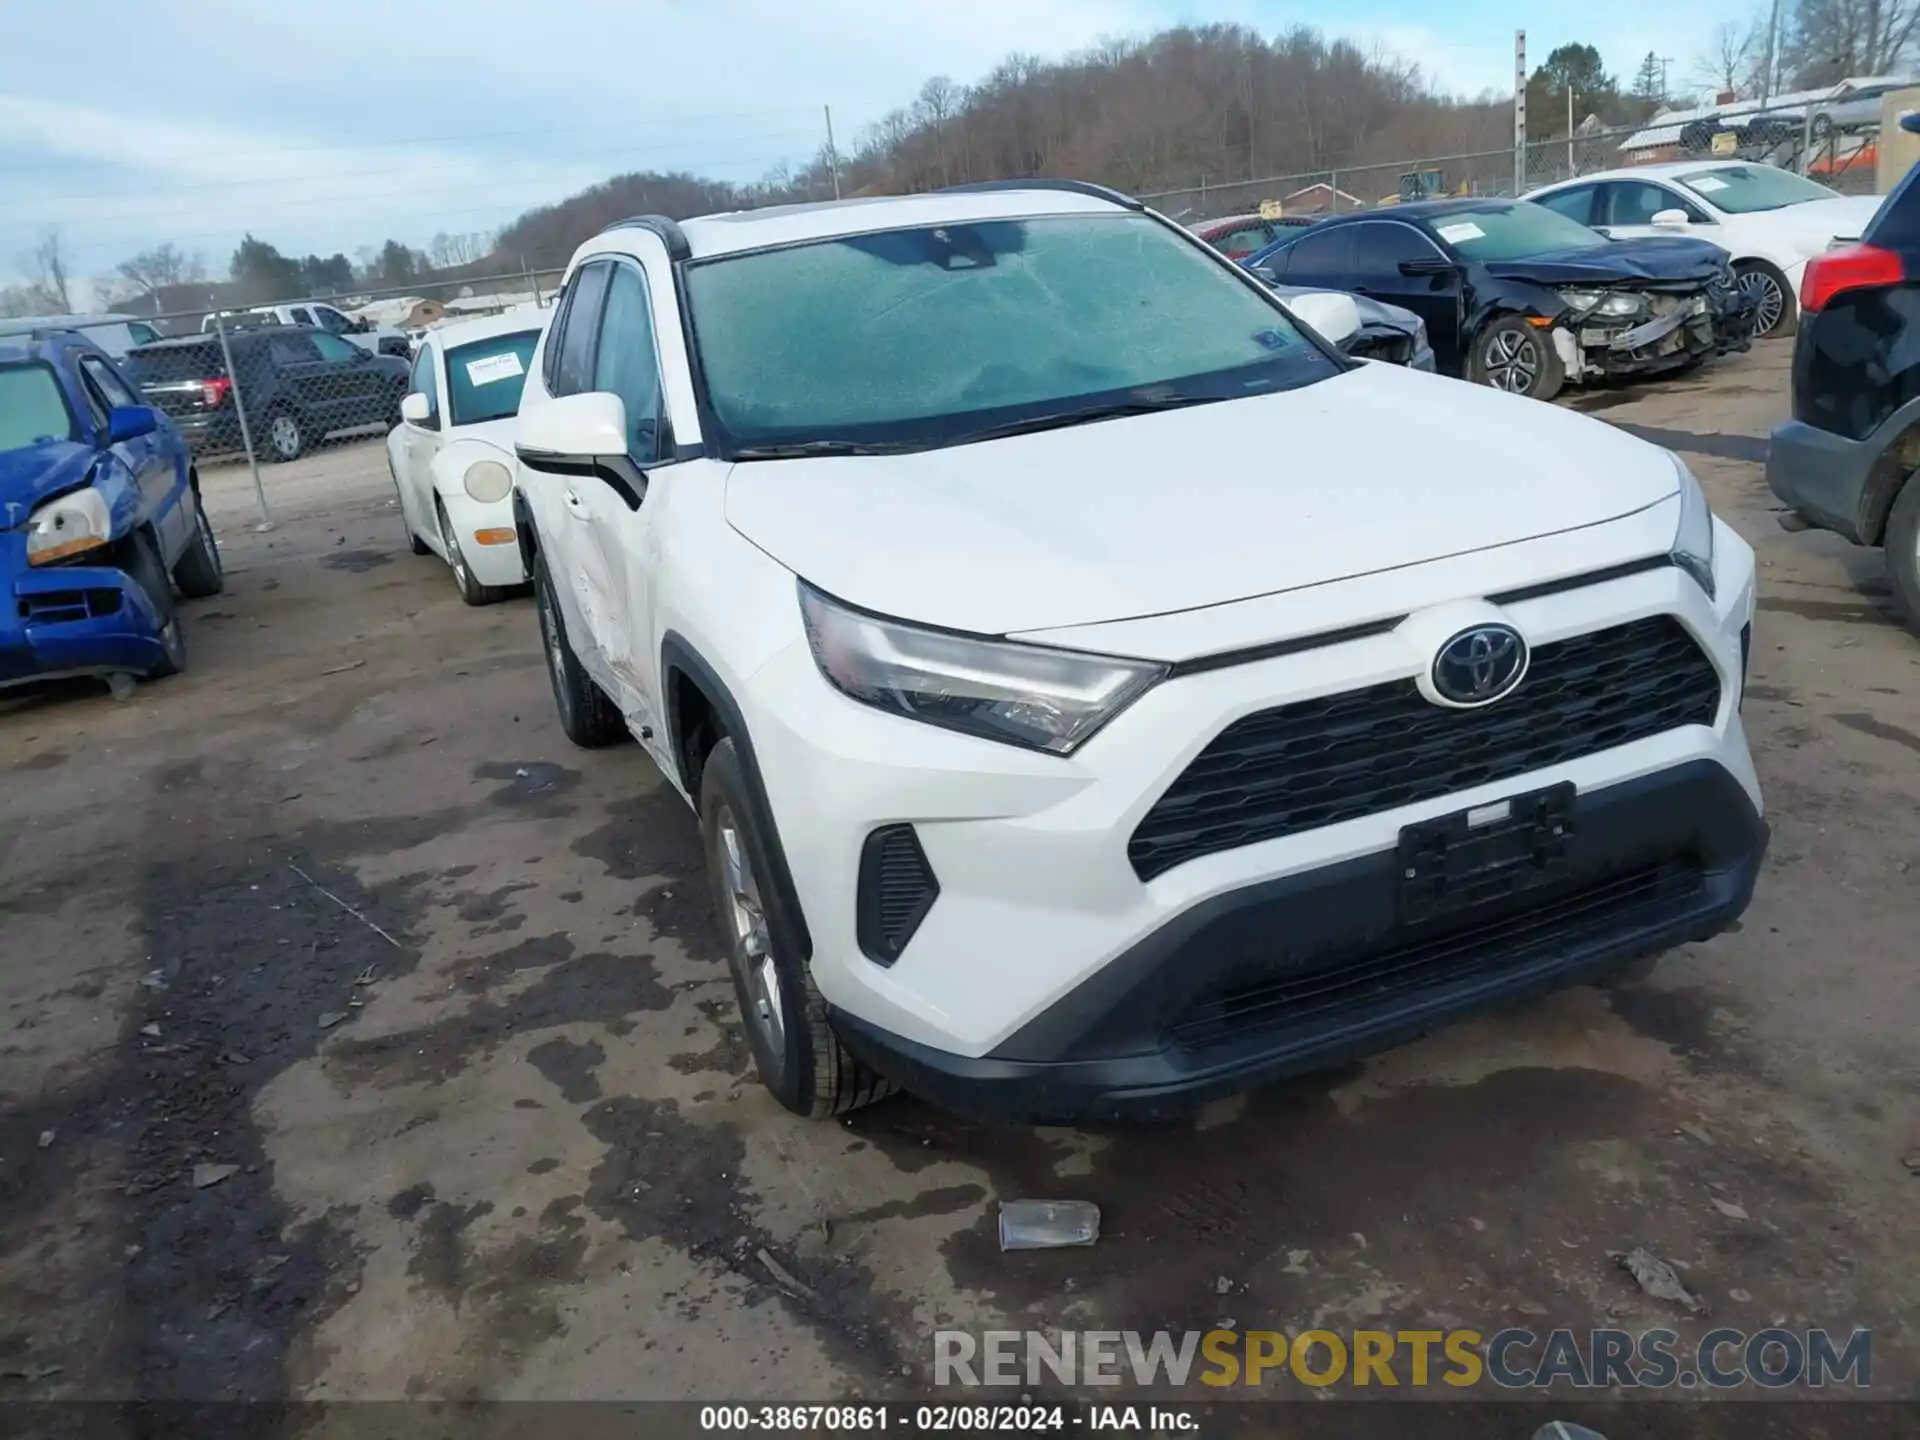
(1096,692)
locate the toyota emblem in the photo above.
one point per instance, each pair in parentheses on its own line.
(1479,666)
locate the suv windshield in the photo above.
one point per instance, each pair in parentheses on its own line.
(1744,189)
(32,409)
(1513,232)
(939,335)
(485,377)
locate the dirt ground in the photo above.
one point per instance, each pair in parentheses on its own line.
(359,1038)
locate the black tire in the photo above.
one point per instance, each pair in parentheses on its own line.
(283,437)
(1769,287)
(199,572)
(801,1061)
(149,572)
(414,542)
(1902,542)
(471,590)
(1511,355)
(587,714)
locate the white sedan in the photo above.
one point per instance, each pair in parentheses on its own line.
(1771,221)
(452,452)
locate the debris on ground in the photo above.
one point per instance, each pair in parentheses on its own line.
(332,1018)
(1223,1286)
(1729,1209)
(1687,1127)
(779,1272)
(154,980)
(1655,1277)
(1739,1296)
(151,1028)
(206,1175)
(32,1372)
(120,685)
(1048,1224)
(346,907)
(343,669)
(1566,1430)
(46,1138)
(365,977)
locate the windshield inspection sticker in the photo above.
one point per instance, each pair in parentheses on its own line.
(1708,183)
(1460,231)
(494,367)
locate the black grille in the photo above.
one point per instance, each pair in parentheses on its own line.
(1457,951)
(55,606)
(1319,762)
(897,888)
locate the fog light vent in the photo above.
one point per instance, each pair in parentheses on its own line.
(897,889)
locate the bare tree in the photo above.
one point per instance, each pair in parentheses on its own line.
(19,301)
(1830,40)
(1728,61)
(46,269)
(152,270)
(939,99)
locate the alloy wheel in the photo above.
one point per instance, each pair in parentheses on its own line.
(750,954)
(1770,302)
(1512,362)
(284,434)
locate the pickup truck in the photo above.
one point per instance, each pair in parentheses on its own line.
(374,339)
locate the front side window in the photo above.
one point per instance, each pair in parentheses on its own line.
(1515,230)
(1635,202)
(485,377)
(1323,252)
(424,383)
(1380,247)
(1746,189)
(573,364)
(627,364)
(937,334)
(1576,204)
(32,409)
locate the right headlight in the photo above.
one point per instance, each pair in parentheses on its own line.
(1028,695)
(1693,540)
(68,525)
(488,481)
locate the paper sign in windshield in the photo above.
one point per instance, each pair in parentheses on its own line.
(494,367)
(1708,183)
(1461,231)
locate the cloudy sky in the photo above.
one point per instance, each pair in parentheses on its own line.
(128,122)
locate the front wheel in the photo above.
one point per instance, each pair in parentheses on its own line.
(286,439)
(471,590)
(1902,542)
(1516,357)
(1774,312)
(199,572)
(587,714)
(801,1061)
(146,569)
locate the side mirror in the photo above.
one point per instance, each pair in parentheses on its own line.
(130,422)
(414,408)
(1671,220)
(363,326)
(1427,265)
(1264,274)
(1331,314)
(582,435)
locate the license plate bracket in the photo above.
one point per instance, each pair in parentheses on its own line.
(1474,857)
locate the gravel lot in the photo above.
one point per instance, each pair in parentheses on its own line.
(531,1159)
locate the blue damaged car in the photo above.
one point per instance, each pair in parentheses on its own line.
(100,519)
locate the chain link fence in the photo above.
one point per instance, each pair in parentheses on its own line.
(272,385)
(1839,154)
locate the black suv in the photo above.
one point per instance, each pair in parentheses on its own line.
(299,384)
(1845,460)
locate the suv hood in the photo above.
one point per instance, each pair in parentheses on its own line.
(39,472)
(1371,470)
(1623,262)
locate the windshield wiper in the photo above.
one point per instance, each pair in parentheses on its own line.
(806,449)
(1086,415)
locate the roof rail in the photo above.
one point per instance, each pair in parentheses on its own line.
(1077,187)
(669,232)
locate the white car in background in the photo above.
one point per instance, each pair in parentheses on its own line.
(1769,220)
(452,452)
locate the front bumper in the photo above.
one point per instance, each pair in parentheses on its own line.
(494,560)
(1703,326)
(72,619)
(1038,896)
(1307,970)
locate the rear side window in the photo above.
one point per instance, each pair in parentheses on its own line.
(32,409)
(293,350)
(1325,252)
(1380,246)
(171,364)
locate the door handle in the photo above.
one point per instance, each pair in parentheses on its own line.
(575,505)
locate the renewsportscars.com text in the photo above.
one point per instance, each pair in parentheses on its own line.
(1512,1359)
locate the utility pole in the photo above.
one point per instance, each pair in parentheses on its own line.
(833,155)
(1519,112)
(1664,61)
(1773,54)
